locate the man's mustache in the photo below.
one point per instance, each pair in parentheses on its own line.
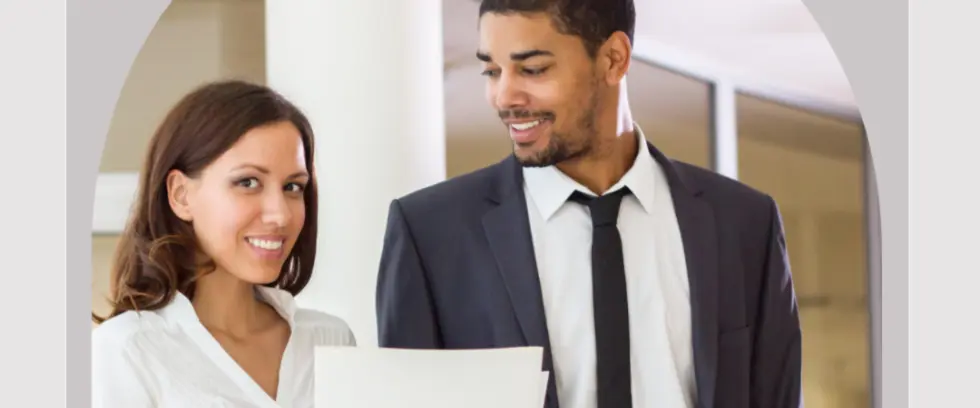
(525,114)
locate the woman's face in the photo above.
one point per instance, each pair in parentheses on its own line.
(247,207)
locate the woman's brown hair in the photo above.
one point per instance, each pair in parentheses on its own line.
(156,255)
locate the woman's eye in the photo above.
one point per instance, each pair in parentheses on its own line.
(535,71)
(295,187)
(250,182)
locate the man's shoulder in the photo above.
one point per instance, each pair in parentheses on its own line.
(722,189)
(456,190)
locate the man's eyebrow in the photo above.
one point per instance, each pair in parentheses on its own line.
(523,55)
(517,56)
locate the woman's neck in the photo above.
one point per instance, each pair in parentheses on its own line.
(227,304)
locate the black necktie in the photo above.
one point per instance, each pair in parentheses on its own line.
(609,304)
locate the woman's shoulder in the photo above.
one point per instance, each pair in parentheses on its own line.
(120,328)
(329,329)
(125,333)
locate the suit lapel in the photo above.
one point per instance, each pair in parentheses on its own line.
(697,224)
(509,233)
(510,240)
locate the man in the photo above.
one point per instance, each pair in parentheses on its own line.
(672,289)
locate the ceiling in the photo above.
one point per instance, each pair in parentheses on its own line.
(771,45)
(764,46)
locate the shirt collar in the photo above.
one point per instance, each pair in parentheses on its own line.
(549,188)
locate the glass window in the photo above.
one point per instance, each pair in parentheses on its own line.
(674,112)
(813,166)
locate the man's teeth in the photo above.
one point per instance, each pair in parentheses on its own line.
(265,244)
(525,126)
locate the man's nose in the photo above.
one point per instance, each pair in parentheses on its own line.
(510,93)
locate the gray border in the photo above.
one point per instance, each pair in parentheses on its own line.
(104,38)
(879,81)
(32,110)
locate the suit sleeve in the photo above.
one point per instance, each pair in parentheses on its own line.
(777,373)
(405,312)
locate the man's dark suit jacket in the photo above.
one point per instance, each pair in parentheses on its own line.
(458,272)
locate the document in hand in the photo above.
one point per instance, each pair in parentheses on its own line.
(356,377)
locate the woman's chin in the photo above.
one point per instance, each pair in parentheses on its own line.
(259,275)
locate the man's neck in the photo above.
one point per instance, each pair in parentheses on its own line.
(612,156)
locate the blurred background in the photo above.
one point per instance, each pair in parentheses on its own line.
(748,88)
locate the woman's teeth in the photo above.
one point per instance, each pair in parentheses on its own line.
(265,244)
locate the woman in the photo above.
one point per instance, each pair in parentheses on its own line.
(222,237)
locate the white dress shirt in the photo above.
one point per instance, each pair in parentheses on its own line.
(167,358)
(661,354)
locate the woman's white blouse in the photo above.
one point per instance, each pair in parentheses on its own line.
(167,358)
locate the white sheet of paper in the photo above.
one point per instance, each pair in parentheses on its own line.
(544,388)
(360,377)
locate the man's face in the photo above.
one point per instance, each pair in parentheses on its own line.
(542,83)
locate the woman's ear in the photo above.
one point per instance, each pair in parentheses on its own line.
(177,194)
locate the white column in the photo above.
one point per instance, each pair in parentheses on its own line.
(724,129)
(369,74)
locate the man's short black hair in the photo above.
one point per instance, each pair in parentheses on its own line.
(591,20)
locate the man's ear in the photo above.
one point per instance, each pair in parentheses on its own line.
(178,186)
(617,54)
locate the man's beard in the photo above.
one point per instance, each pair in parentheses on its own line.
(566,146)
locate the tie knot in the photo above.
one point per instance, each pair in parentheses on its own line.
(604,209)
